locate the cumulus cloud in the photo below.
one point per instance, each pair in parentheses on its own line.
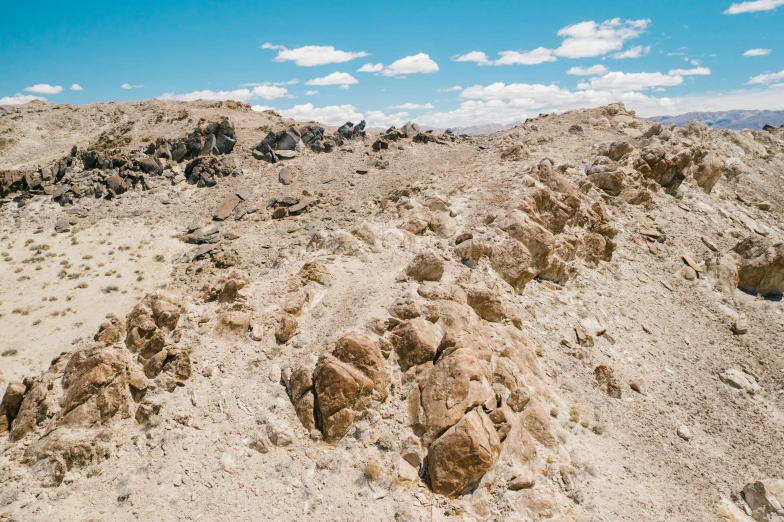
(267,92)
(633,52)
(411,106)
(379,119)
(44,88)
(765,79)
(371,68)
(312,55)
(76,87)
(336,78)
(757,52)
(589,39)
(752,7)
(474,56)
(697,71)
(450,89)
(417,64)
(129,86)
(311,93)
(582,40)
(19,99)
(330,115)
(620,81)
(594,70)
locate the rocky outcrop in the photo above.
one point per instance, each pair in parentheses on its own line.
(760,266)
(62,413)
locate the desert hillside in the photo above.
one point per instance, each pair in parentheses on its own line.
(211,313)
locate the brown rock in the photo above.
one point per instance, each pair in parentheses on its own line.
(760,266)
(416,341)
(233,324)
(458,460)
(111,332)
(364,354)
(455,385)
(339,388)
(486,302)
(426,266)
(605,377)
(285,328)
(12,400)
(226,207)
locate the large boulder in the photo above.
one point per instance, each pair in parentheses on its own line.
(340,387)
(760,266)
(709,171)
(416,342)
(426,266)
(455,385)
(9,406)
(363,353)
(458,460)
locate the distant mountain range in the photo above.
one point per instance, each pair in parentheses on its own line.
(487,128)
(736,120)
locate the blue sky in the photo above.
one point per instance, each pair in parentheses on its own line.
(502,60)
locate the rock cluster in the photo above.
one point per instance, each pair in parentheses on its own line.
(62,413)
(286,143)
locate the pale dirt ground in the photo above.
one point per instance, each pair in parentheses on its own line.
(636,469)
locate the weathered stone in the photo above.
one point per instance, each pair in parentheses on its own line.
(364,354)
(605,377)
(226,207)
(766,499)
(458,460)
(740,380)
(455,385)
(339,387)
(709,171)
(233,324)
(416,341)
(760,266)
(285,328)
(426,266)
(12,400)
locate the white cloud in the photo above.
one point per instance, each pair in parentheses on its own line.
(633,52)
(535,57)
(412,106)
(311,93)
(267,92)
(129,86)
(44,88)
(582,40)
(293,81)
(474,56)
(19,99)
(752,7)
(371,68)
(330,115)
(594,70)
(589,39)
(417,64)
(76,87)
(379,119)
(620,81)
(697,71)
(450,89)
(766,78)
(336,78)
(312,55)
(757,52)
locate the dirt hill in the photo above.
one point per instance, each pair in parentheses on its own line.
(212,313)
